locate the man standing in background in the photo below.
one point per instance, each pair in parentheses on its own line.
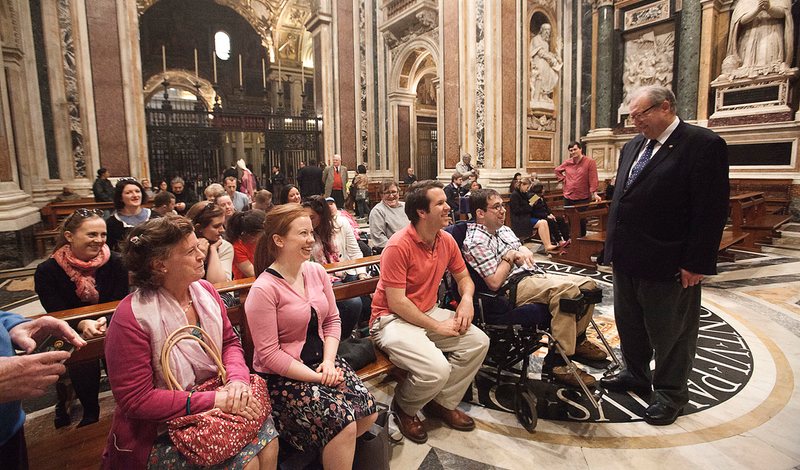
(335,178)
(579,176)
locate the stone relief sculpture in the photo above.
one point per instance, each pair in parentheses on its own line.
(648,61)
(545,69)
(760,40)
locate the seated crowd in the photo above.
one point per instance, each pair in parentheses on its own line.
(318,402)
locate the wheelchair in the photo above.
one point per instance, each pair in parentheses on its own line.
(517,332)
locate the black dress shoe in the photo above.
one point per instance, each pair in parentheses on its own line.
(661,414)
(623,383)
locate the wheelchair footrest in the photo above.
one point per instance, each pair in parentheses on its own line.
(592,296)
(576,306)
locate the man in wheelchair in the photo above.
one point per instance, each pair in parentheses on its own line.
(493,251)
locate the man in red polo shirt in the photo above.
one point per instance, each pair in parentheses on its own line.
(412,330)
(579,176)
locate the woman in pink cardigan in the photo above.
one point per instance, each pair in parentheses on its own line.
(167,265)
(318,402)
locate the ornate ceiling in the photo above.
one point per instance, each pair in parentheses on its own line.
(280,22)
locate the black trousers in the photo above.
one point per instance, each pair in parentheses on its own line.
(338,196)
(85,377)
(14,453)
(573,202)
(658,319)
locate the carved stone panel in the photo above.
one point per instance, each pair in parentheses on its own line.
(648,61)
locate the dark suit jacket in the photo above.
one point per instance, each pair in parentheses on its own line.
(672,215)
(309,180)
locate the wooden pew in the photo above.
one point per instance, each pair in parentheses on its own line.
(581,249)
(749,215)
(776,192)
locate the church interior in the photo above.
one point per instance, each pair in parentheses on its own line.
(158,89)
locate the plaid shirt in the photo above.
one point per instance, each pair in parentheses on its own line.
(484,251)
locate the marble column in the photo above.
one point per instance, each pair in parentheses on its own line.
(603,37)
(319,25)
(710,50)
(688,59)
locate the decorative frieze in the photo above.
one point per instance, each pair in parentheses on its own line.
(645,15)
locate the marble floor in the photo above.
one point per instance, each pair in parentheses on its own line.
(753,424)
(758,295)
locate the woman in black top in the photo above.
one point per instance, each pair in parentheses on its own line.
(523,221)
(129,196)
(82,271)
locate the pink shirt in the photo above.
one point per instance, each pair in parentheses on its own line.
(580,179)
(277,317)
(409,263)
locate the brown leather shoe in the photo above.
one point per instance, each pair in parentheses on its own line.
(410,426)
(562,375)
(456,419)
(590,351)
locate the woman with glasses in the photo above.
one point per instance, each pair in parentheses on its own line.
(209,226)
(387,217)
(128,199)
(81,271)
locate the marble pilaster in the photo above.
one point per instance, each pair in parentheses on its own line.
(688,66)
(480,82)
(319,25)
(708,54)
(603,73)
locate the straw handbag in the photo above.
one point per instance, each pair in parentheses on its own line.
(213,436)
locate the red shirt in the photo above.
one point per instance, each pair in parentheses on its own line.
(337,178)
(242,252)
(580,179)
(409,263)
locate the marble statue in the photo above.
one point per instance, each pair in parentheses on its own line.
(761,38)
(545,69)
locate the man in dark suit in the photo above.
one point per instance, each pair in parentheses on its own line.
(665,226)
(309,179)
(335,179)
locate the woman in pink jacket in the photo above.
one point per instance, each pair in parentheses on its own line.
(318,401)
(167,265)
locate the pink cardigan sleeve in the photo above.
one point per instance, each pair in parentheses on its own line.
(130,372)
(262,321)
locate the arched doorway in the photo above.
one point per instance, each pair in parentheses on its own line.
(414,106)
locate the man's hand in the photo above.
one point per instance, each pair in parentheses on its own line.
(27,335)
(180,206)
(689,279)
(524,257)
(596,197)
(464,313)
(29,376)
(447,327)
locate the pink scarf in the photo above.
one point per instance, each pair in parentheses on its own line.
(81,273)
(159,314)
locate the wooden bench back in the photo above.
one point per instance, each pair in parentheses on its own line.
(746,207)
(574,215)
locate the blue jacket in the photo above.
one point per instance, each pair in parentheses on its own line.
(11,415)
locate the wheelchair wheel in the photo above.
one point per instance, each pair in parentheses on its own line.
(525,409)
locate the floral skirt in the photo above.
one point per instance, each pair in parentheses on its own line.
(308,415)
(166,456)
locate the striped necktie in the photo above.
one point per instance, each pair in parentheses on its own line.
(642,162)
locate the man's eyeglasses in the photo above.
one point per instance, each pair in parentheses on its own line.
(637,116)
(498,207)
(391,193)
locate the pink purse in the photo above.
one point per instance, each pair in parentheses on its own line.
(213,436)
